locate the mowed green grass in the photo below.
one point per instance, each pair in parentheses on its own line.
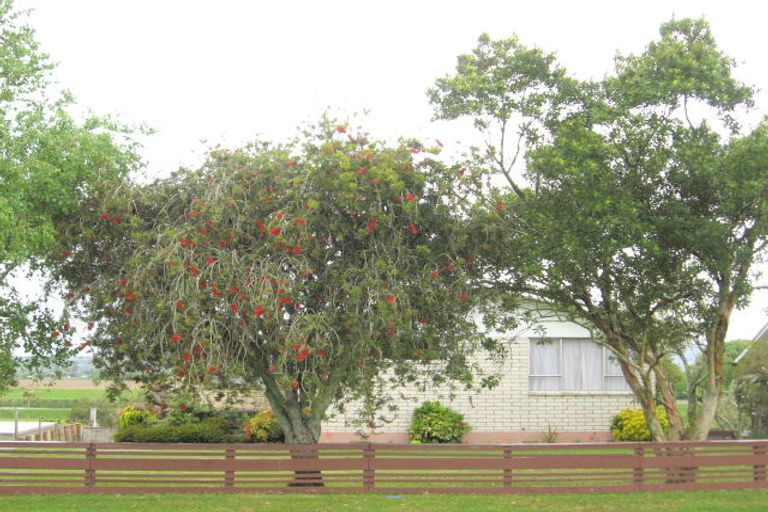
(688,501)
(47,414)
(54,394)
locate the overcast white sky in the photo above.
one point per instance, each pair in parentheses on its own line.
(229,71)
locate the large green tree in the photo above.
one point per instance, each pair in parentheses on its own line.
(50,164)
(636,217)
(320,271)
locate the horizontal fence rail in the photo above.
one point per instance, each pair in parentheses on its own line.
(45,467)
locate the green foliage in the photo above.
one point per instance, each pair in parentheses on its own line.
(210,431)
(433,422)
(315,270)
(750,386)
(631,425)
(51,166)
(676,376)
(106,412)
(132,416)
(637,217)
(263,427)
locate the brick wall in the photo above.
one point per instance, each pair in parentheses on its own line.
(510,412)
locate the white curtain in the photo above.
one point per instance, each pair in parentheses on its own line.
(545,365)
(582,365)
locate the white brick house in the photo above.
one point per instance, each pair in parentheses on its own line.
(555,379)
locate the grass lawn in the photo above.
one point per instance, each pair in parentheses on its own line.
(48,414)
(689,501)
(54,394)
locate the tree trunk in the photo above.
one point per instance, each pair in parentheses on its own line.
(713,385)
(299,429)
(644,392)
(706,414)
(669,400)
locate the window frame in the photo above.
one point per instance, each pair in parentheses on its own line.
(605,351)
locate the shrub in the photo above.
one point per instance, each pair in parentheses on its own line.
(203,432)
(263,427)
(435,423)
(106,412)
(131,416)
(630,425)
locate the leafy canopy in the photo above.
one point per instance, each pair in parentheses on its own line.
(315,270)
(50,164)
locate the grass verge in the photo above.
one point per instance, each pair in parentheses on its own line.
(680,501)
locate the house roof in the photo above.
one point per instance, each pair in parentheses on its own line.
(762,335)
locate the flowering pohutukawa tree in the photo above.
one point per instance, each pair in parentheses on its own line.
(320,271)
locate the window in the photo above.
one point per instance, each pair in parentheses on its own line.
(573,364)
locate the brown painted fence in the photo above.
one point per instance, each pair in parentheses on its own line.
(35,467)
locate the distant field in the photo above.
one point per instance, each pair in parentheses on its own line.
(47,414)
(72,389)
(62,384)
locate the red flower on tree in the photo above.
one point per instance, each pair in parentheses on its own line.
(180,304)
(234,307)
(300,222)
(194,271)
(123,282)
(131,297)
(362,170)
(210,260)
(259,311)
(410,197)
(391,299)
(275,231)
(413,228)
(174,339)
(372,225)
(374,181)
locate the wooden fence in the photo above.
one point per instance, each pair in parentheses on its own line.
(35,467)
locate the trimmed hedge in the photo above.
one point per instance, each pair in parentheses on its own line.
(203,432)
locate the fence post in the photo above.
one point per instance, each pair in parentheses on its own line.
(90,473)
(229,474)
(16,424)
(759,469)
(507,479)
(639,477)
(369,473)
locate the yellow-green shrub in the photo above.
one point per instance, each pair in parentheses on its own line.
(133,416)
(630,425)
(264,428)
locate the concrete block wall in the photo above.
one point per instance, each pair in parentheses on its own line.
(509,412)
